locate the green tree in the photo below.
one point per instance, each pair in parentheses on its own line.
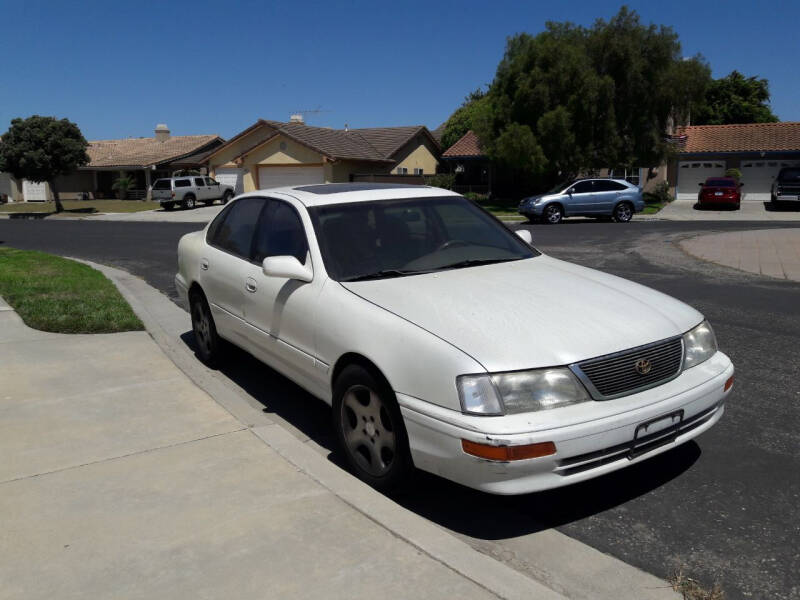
(587,98)
(42,149)
(735,99)
(460,122)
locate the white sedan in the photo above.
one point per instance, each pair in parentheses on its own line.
(447,343)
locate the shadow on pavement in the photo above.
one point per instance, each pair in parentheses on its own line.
(772,207)
(460,509)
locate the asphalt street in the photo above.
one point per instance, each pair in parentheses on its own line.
(723,508)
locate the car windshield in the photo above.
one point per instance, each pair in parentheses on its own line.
(560,187)
(394,238)
(721,183)
(790,175)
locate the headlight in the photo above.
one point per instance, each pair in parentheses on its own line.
(699,345)
(519,392)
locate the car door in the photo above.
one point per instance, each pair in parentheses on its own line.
(213,189)
(201,189)
(605,196)
(579,198)
(224,262)
(281,312)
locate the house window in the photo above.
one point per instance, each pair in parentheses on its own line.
(631,175)
(402,171)
(418,171)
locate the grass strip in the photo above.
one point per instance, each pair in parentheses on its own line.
(51,293)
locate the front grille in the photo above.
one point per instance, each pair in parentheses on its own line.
(617,374)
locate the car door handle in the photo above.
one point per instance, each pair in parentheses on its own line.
(204,264)
(250,285)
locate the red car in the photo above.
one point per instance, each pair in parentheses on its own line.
(720,190)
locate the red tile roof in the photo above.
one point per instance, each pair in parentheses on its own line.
(143,152)
(468,146)
(750,137)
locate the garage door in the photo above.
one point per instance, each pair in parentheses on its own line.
(758,175)
(270,177)
(33,191)
(691,174)
(231,176)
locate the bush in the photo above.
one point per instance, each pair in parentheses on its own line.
(659,195)
(441,180)
(476,197)
(734,172)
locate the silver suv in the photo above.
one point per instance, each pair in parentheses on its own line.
(189,190)
(602,197)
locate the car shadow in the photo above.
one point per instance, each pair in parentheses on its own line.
(714,207)
(770,207)
(450,505)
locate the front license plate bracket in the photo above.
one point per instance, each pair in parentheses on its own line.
(649,436)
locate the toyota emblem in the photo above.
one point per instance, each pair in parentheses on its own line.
(643,366)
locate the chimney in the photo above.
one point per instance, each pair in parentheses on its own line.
(162,132)
(296,118)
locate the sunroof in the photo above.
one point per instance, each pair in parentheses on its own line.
(338,188)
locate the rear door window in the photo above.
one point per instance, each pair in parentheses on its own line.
(198,181)
(182,183)
(234,233)
(608,186)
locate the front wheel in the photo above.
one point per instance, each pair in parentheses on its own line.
(623,212)
(553,214)
(370,429)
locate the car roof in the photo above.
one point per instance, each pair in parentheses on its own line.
(340,193)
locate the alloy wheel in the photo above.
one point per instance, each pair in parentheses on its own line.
(201,324)
(369,433)
(553,214)
(623,213)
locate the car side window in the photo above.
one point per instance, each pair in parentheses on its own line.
(198,181)
(608,186)
(182,183)
(234,233)
(583,187)
(210,181)
(280,233)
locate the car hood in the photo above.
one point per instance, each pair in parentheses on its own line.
(531,313)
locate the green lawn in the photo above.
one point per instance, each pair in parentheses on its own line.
(80,207)
(55,294)
(651,209)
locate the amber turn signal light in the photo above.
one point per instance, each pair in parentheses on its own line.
(729,383)
(508,453)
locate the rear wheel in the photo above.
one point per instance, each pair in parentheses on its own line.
(623,212)
(370,428)
(189,202)
(209,344)
(553,214)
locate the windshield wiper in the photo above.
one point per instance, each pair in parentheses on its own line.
(475,262)
(383,274)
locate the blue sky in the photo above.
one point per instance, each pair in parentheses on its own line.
(118,68)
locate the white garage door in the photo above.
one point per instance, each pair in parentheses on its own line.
(33,191)
(692,173)
(758,175)
(270,177)
(231,176)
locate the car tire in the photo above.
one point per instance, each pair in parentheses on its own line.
(623,212)
(370,429)
(168,206)
(209,344)
(553,214)
(227,197)
(189,202)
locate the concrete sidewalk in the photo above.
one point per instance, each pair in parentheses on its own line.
(123,479)
(771,252)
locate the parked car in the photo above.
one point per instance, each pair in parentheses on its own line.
(716,191)
(444,341)
(188,191)
(615,198)
(786,187)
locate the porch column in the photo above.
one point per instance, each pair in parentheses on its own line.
(94,185)
(149,195)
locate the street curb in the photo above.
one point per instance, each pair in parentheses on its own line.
(564,567)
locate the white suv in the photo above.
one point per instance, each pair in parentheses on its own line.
(187,191)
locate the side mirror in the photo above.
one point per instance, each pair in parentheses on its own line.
(741,185)
(525,235)
(287,267)
(701,184)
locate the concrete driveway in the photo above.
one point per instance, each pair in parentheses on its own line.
(751,210)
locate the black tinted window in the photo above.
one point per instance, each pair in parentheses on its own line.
(721,183)
(162,184)
(235,232)
(280,233)
(182,183)
(789,175)
(582,187)
(198,181)
(608,186)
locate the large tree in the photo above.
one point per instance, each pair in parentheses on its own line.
(573,98)
(735,99)
(43,149)
(460,122)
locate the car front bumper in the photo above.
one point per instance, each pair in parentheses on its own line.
(183,291)
(610,438)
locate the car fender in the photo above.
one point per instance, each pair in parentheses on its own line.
(413,360)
